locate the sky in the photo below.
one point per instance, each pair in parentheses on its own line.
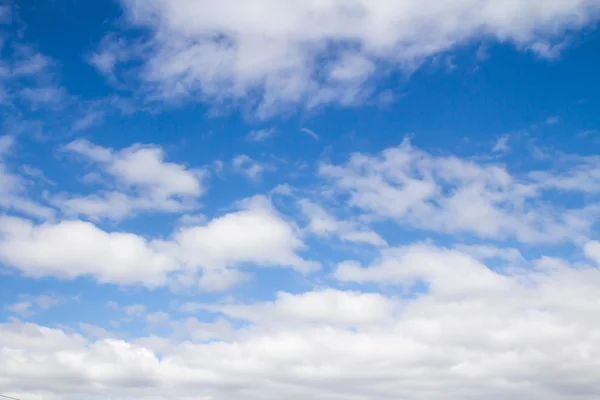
(300,199)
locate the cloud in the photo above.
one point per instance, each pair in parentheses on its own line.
(88,120)
(256,234)
(27,305)
(202,256)
(310,133)
(576,174)
(308,54)
(447,272)
(28,78)
(473,332)
(321,223)
(144,181)
(13,188)
(328,306)
(453,195)
(261,134)
(72,249)
(51,97)
(245,165)
(501,145)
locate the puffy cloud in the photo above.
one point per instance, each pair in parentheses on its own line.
(324,224)
(310,53)
(472,333)
(145,181)
(71,249)
(327,306)
(257,234)
(204,256)
(592,250)
(445,271)
(454,195)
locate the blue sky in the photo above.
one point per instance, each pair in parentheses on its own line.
(323,199)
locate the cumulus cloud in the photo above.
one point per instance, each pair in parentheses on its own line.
(271,54)
(326,306)
(256,234)
(201,256)
(472,333)
(144,181)
(454,195)
(71,249)
(322,223)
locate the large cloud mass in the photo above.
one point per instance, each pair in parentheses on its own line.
(317,52)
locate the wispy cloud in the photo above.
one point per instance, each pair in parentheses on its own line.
(311,133)
(260,135)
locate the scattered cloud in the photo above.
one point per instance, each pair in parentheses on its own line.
(144,181)
(247,166)
(260,135)
(452,195)
(501,145)
(28,305)
(322,223)
(13,189)
(310,133)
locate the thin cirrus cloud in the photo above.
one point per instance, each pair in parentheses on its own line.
(233,50)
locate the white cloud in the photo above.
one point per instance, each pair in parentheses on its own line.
(501,145)
(274,54)
(324,224)
(592,251)
(453,195)
(13,190)
(447,272)
(260,135)
(329,306)
(473,333)
(206,256)
(72,249)
(571,174)
(90,119)
(257,234)
(247,166)
(310,133)
(144,180)
(27,305)
(52,97)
